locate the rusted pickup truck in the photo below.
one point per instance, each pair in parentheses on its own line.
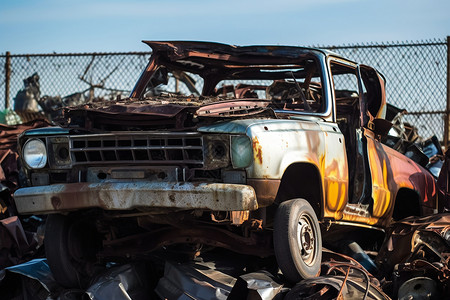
(255,149)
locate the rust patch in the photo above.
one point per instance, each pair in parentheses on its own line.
(266,190)
(257,150)
(172,197)
(56,202)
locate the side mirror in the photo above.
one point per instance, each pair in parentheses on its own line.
(380,126)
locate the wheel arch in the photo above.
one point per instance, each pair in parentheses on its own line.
(406,203)
(302,180)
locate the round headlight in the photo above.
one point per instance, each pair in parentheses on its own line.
(35,154)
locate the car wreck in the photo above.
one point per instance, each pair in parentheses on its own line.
(256,149)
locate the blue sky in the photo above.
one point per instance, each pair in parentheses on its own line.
(62,26)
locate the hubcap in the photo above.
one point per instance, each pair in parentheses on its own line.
(306,239)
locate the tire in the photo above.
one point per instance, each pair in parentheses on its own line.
(71,246)
(298,257)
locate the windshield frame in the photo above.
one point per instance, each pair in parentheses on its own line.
(252,60)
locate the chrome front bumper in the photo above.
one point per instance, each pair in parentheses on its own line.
(131,195)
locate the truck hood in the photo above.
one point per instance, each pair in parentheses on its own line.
(205,114)
(162,113)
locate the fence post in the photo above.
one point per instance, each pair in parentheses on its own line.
(447,112)
(7,77)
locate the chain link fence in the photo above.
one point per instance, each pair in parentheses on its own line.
(102,74)
(416,75)
(416,78)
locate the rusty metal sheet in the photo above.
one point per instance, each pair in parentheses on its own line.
(391,171)
(106,115)
(129,195)
(148,108)
(403,238)
(341,277)
(193,281)
(178,50)
(172,110)
(266,190)
(326,287)
(233,108)
(16,244)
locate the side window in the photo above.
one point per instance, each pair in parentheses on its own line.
(346,91)
(345,81)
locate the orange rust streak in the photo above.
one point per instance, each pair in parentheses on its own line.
(335,188)
(257,150)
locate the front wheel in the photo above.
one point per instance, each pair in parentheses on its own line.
(71,246)
(297,240)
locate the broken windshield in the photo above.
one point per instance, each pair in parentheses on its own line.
(286,86)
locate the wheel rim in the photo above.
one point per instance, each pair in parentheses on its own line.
(306,238)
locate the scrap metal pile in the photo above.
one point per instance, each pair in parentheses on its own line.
(413,263)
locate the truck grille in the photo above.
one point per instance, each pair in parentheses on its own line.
(164,148)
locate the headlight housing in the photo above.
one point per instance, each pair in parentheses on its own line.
(217,151)
(241,151)
(58,152)
(34,154)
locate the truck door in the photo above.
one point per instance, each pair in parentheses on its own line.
(347,86)
(360,103)
(372,113)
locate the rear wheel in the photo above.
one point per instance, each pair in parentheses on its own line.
(297,240)
(71,246)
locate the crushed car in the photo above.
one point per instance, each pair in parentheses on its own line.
(256,149)
(415,258)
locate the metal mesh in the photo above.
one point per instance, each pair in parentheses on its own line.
(2,81)
(415,73)
(416,76)
(106,74)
